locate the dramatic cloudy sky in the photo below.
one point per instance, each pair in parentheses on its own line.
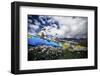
(63,26)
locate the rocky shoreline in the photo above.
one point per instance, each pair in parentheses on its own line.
(45,53)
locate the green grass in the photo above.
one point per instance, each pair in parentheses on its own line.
(74,55)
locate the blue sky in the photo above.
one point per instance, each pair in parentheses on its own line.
(63,26)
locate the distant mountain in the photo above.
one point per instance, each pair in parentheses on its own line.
(80,40)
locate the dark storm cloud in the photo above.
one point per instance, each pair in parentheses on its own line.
(70,27)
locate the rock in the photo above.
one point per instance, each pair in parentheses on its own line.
(44,53)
